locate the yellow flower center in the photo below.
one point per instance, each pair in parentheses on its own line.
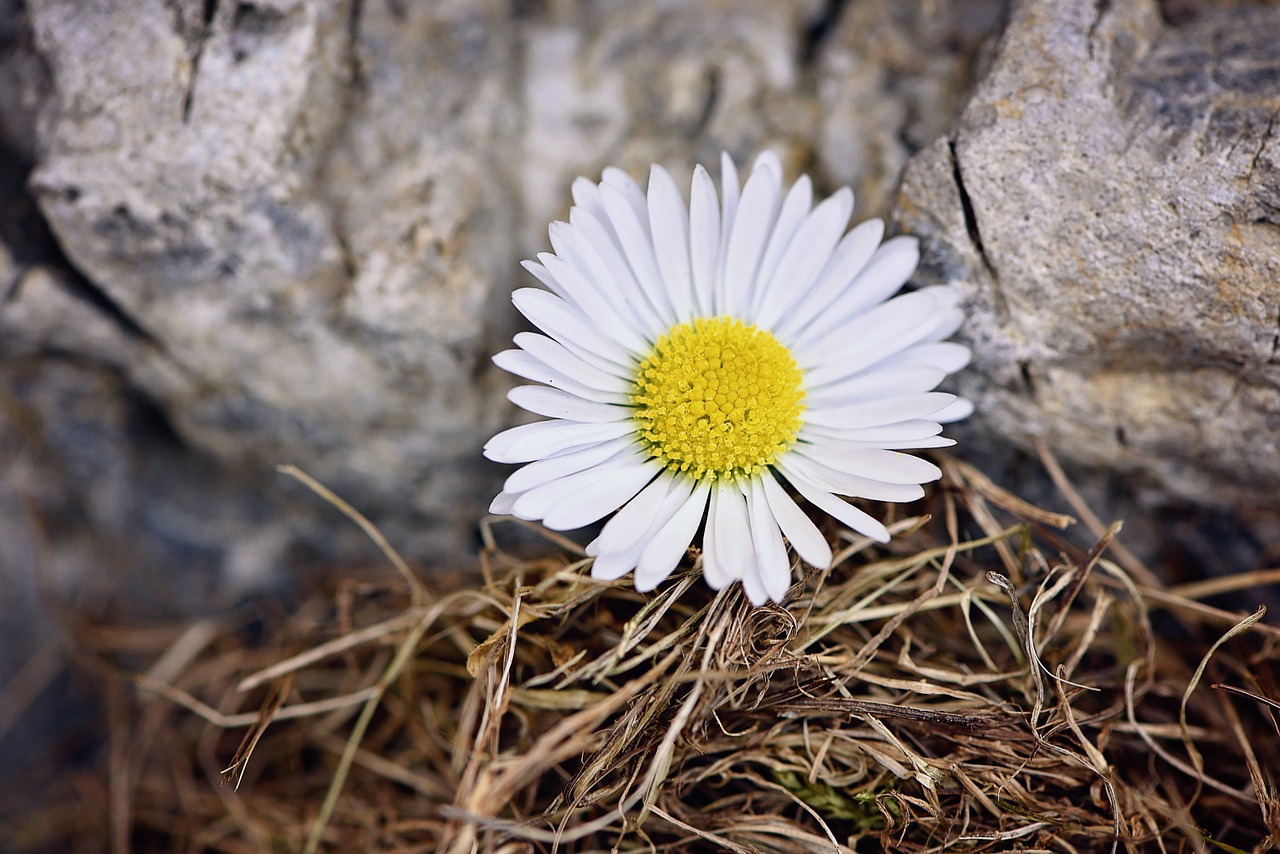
(718,398)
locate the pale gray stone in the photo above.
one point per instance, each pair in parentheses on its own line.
(1109,199)
(892,77)
(288,202)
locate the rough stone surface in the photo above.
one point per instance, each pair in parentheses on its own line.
(1110,197)
(892,79)
(197,186)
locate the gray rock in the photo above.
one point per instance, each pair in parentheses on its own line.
(1110,197)
(298,229)
(892,77)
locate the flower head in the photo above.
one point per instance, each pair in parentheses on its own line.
(698,356)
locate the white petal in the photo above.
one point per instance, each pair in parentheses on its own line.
(727,549)
(948,317)
(884,275)
(613,566)
(545,438)
(554,403)
(805,257)
(865,340)
(582,498)
(958,411)
(704,239)
(886,272)
(772,564)
(571,242)
(915,444)
(548,469)
(669,223)
(948,295)
(543,275)
(616,179)
(846,513)
(609,567)
(946,325)
(833,479)
(502,504)
(597,301)
(805,537)
(842,372)
(945,355)
(596,238)
(628,528)
(852,254)
(751,227)
(919,428)
(602,375)
(525,365)
(876,412)
(715,574)
(585,506)
(673,501)
(753,585)
(586,195)
(769,159)
(730,189)
(669,544)
(637,245)
(795,207)
(876,384)
(568,325)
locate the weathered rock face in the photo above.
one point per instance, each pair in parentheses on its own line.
(891,80)
(1111,194)
(306,276)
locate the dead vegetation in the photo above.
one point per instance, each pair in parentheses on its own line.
(979,684)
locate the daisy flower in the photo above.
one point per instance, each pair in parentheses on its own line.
(697,359)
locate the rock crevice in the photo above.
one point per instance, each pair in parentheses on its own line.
(1117,166)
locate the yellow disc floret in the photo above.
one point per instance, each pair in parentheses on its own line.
(718,398)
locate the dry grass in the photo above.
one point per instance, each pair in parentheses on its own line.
(979,684)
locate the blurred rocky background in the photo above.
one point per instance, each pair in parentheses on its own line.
(237,234)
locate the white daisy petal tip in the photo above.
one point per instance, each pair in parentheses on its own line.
(502,504)
(702,363)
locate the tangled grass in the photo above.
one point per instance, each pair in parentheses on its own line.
(981,683)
